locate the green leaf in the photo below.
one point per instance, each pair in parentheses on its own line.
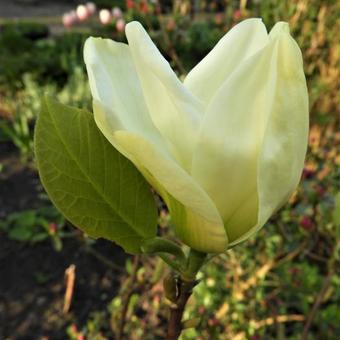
(89,181)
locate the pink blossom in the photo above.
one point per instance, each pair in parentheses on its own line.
(144,7)
(219,18)
(105,16)
(237,14)
(68,20)
(129,4)
(117,12)
(82,13)
(74,329)
(91,7)
(306,223)
(53,228)
(120,25)
(73,13)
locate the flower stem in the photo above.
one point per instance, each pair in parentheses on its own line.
(184,285)
(177,309)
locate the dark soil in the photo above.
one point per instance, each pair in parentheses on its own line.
(19,185)
(32,287)
(32,283)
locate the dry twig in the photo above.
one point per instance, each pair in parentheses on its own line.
(70,278)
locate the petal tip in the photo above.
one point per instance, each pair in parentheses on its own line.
(253,24)
(279,28)
(92,40)
(133,26)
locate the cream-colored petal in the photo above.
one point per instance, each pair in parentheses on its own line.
(173,109)
(196,219)
(241,42)
(115,85)
(225,160)
(285,139)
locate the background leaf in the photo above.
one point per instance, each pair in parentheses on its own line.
(89,181)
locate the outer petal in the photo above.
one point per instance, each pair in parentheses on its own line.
(196,219)
(173,109)
(241,42)
(284,144)
(230,139)
(115,85)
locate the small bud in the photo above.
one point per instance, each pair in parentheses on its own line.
(219,18)
(120,25)
(129,4)
(82,13)
(237,15)
(91,7)
(68,20)
(307,223)
(53,228)
(143,7)
(117,13)
(105,16)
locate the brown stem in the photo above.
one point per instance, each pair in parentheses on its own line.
(177,309)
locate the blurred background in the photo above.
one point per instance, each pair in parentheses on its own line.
(56,283)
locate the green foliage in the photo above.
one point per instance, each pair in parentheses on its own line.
(91,183)
(25,105)
(35,226)
(25,50)
(201,37)
(29,30)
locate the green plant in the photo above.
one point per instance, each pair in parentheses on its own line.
(25,105)
(35,226)
(47,59)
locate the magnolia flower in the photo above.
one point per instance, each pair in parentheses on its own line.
(224,148)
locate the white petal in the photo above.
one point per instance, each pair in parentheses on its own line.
(115,85)
(285,139)
(241,42)
(173,109)
(225,161)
